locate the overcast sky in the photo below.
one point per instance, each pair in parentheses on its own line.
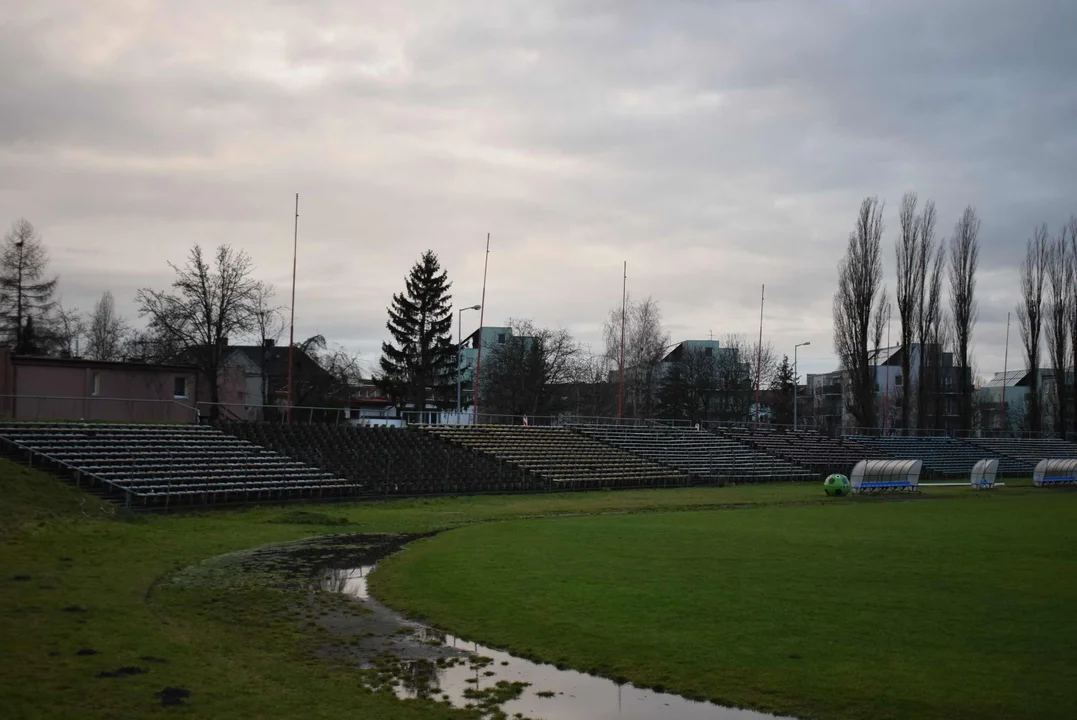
(715,146)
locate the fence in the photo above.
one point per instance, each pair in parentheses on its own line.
(301,414)
(37,408)
(341,415)
(433,417)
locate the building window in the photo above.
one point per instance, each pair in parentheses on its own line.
(96,384)
(709,352)
(179,389)
(897,381)
(501,338)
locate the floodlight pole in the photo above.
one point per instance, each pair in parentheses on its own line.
(1005,368)
(621,367)
(795,381)
(886,397)
(478,354)
(759,355)
(291,323)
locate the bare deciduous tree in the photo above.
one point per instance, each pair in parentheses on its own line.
(323,375)
(645,344)
(929,320)
(67,330)
(1030,318)
(910,290)
(210,301)
(883,310)
(742,366)
(267,328)
(594,395)
(689,385)
(964,259)
(526,374)
(106,332)
(1070,229)
(859,284)
(763,360)
(25,292)
(1057,329)
(735,370)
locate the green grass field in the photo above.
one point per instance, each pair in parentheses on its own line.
(878,610)
(79,576)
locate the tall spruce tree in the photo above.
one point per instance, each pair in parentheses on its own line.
(418,366)
(783,386)
(26,294)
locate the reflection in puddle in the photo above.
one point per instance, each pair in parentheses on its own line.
(467,674)
(350,581)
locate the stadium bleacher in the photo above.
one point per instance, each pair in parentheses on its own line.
(1023,454)
(807,448)
(567,459)
(704,455)
(153,466)
(388,461)
(941,456)
(168,465)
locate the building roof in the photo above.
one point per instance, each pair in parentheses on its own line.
(472,341)
(78,362)
(1010,378)
(276,359)
(884,355)
(677,349)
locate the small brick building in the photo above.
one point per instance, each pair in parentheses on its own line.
(47,388)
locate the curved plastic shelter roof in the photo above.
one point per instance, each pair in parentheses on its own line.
(984,472)
(880,475)
(1054,471)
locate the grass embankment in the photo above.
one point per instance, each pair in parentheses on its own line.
(78,577)
(855,610)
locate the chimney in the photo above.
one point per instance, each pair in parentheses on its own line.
(269,342)
(224,341)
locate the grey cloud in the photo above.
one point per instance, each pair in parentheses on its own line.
(716,146)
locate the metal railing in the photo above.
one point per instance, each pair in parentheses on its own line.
(39,408)
(248,412)
(316,414)
(435,417)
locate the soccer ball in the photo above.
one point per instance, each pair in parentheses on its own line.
(837,485)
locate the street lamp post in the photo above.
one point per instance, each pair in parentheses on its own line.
(795,381)
(459,342)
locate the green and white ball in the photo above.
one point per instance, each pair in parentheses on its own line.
(837,485)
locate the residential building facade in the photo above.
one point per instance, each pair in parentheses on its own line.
(829,392)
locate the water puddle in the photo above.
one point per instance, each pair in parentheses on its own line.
(350,581)
(419,661)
